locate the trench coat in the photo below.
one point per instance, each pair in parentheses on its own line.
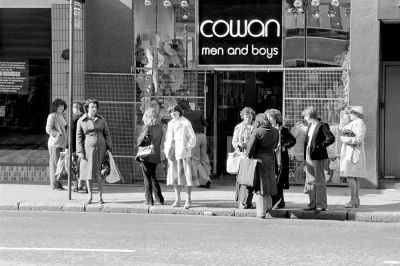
(352,156)
(261,146)
(92,140)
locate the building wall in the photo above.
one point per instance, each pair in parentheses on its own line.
(109,36)
(364,79)
(60,42)
(388,10)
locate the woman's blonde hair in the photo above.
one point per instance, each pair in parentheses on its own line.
(150,117)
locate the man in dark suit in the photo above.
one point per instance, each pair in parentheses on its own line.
(317,139)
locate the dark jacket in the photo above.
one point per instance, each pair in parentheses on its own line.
(197,120)
(287,141)
(74,124)
(156,133)
(261,146)
(322,138)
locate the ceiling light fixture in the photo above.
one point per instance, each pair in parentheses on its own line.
(147,2)
(167,3)
(184,3)
(335,3)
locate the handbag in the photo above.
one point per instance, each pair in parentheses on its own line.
(248,172)
(145,148)
(232,163)
(144,152)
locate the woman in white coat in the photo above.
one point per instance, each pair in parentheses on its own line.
(352,157)
(179,141)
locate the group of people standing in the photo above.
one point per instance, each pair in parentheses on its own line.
(262,137)
(91,141)
(185,148)
(268,141)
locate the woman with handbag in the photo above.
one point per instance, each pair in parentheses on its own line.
(286,141)
(262,144)
(179,141)
(241,136)
(93,140)
(151,136)
(352,158)
(56,127)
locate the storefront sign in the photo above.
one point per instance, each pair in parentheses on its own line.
(13,76)
(239,32)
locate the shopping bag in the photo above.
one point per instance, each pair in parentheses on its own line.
(248,172)
(232,163)
(62,167)
(115,174)
(144,152)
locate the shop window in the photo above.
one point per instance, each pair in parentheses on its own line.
(320,33)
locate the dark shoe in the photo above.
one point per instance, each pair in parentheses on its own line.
(75,189)
(89,201)
(61,188)
(207,185)
(159,203)
(308,209)
(279,206)
(261,217)
(101,201)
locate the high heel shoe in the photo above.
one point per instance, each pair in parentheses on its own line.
(177,203)
(188,204)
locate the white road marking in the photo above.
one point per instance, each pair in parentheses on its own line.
(70,249)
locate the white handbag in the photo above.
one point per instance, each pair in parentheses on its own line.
(233,161)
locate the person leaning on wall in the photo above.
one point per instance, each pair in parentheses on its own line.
(56,128)
(93,140)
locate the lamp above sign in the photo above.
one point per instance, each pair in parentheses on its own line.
(238,32)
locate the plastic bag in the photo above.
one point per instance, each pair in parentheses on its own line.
(62,167)
(115,174)
(233,161)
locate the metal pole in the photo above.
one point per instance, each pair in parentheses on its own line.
(186,45)
(70,87)
(305,32)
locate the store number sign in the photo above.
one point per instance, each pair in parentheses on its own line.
(239,32)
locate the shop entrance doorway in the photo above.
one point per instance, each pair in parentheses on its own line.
(236,90)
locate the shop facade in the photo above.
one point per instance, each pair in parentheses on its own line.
(264,54)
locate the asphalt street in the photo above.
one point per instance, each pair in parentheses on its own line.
(55,238)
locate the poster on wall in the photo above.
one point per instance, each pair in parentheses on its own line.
(13,76)
(240,32)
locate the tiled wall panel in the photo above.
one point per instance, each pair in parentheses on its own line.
(60,42)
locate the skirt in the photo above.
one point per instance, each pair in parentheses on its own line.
(182,172)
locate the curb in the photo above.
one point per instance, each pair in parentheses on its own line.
(385,217)
(338,215)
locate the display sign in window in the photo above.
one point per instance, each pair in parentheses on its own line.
(13,77)
(238,32)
